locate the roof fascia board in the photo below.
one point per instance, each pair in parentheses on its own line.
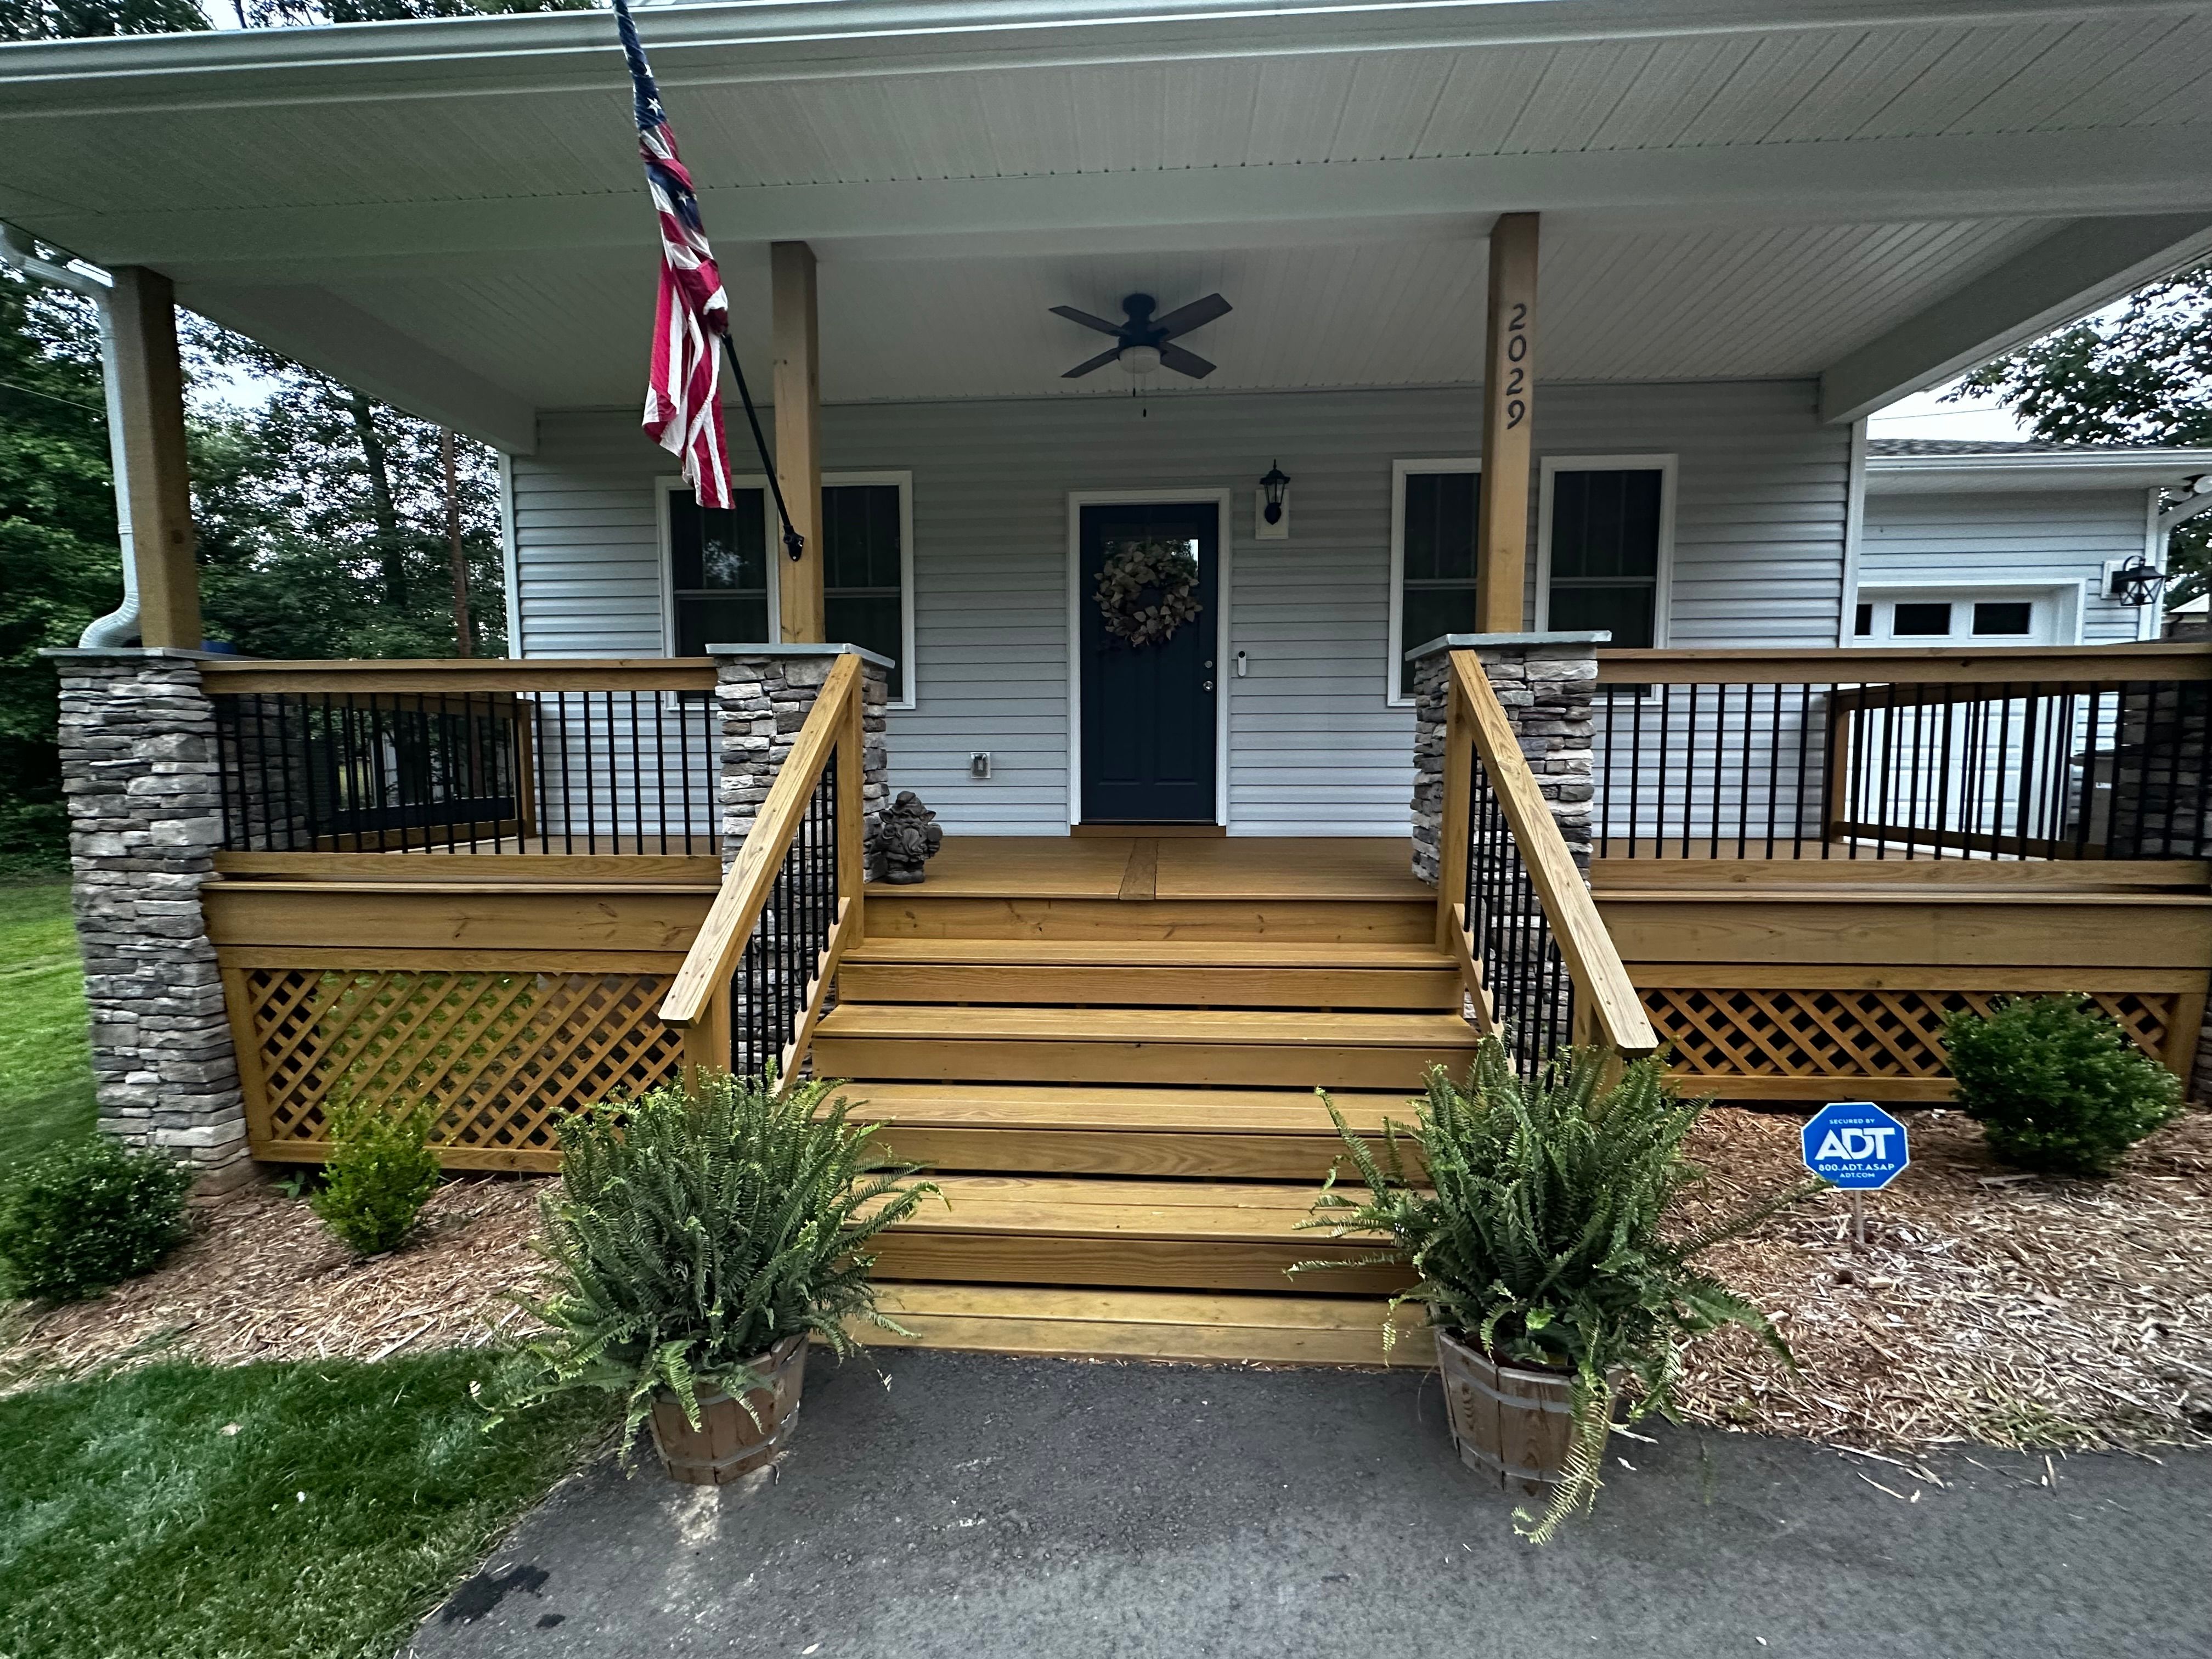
(796,38)
(317,327)
(2124,469)
(1871,180)
(2069,274)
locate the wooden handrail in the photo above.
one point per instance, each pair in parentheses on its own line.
(1477,732)
(1944,664)
(833,724)
(457,676)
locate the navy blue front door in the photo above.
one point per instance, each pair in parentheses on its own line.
(1148,720)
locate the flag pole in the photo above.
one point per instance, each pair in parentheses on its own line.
(793,543)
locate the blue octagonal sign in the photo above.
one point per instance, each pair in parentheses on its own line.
(1855,1145)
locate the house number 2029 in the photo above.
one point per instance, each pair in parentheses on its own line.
(1517,373)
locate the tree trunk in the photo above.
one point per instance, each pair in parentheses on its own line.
(390,551)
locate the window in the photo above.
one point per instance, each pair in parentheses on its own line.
(1929,614)
(1606,538)
(718,571)
(863,544)
(722,578)
(1433,560)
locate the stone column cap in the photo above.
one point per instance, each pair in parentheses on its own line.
(135,653)
(860,651)
(1487,641)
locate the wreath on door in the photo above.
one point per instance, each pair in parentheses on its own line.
(1147,590)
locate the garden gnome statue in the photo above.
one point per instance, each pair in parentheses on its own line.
(906,836)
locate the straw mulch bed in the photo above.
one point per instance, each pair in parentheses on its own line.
(2020,1311)
(262,1279)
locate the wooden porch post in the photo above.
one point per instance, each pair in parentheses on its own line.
(1509,421)
(798,392)
(151,386)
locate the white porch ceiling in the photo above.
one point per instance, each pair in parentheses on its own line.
(450,214)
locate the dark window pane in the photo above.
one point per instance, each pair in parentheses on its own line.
(702,620)
(1863,620)
(1430,612)
(1440,525)
(872,623)
(2003,617)
(1605,525)
(1921,620)
(1623,609)
(860,536)
(717,550)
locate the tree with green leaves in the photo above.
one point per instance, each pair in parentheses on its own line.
(2137,373)
(59,564)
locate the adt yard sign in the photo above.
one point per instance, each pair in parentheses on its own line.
(1855,1145)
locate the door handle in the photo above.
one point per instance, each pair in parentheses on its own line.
(1208,686)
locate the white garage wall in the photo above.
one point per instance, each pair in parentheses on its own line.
(1314,749)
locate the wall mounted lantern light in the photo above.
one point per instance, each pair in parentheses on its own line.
(2136,582)
(1271,487)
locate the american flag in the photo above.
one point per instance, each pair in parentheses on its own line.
(683,413)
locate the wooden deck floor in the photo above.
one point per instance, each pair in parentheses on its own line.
(1170,868)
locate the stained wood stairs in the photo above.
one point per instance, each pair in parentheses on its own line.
(1105,1053)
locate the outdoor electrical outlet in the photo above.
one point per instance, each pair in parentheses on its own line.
(979,764)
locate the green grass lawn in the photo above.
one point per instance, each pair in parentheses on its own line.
(348,1501)
(46,1053)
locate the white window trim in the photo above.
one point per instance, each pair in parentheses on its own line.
(1399,471)
(1662,595)
(2070,597)
(667,485)
(1224,679)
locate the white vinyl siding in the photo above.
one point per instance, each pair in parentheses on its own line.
(2008,539)
(1314,746)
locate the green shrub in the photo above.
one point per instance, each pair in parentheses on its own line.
(88,1215)
(2056,1085)
(692,1233)
(381,1172)
(1540,1241)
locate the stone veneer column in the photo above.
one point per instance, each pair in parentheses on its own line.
(1546,683)
(138,767)
(764,694)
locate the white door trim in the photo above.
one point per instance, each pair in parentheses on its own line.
(1223,500)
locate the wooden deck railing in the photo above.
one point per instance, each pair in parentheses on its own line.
(758,974)
(1512,905)
(2020,752)
(584,758)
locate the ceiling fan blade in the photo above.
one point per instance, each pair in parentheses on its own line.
(1086,319)
(1185,362)
(1197,314)
(1100,362)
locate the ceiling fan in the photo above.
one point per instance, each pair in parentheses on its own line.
(1142,343)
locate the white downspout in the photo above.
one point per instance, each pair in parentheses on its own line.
(120,625)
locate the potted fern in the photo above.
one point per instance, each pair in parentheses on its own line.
(698,1240)
(1536,1245)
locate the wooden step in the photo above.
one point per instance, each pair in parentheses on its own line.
(1158,973)
(916,912)
(1166,1325)
(1187,1047)
(1222,1134)
(1185,1235)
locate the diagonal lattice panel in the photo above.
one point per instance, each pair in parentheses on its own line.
(1768,1032)
(505,1053)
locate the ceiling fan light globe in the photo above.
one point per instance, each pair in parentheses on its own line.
(1139,359)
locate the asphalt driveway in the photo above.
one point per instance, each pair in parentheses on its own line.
(981,1507)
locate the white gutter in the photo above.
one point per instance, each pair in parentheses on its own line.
(120,625)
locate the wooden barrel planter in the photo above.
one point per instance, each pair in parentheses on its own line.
(728,1442)
(1512,1424)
